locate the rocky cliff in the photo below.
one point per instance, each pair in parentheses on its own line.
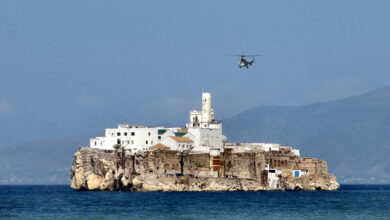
(94,169)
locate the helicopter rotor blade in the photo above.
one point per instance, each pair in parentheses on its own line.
(244,55)
(255,55)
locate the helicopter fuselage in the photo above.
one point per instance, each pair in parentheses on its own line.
(243,62)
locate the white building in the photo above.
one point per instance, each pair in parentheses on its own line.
(207,132)
(202,134)
(134,137)
(299,173)
(178,143)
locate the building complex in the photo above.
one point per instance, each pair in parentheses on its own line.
(201,135)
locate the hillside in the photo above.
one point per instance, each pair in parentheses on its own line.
(352,134)
(39,162)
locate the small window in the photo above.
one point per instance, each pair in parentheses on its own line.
(132,133)
(151,142)
(95,143)
(132,142)
(118,141)
(125,134)
(118,134)
(149,133)
(159,137)
(128,142)
(146,142)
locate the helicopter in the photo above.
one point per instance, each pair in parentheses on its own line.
(243,61)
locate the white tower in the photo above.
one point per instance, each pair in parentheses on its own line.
(206,107)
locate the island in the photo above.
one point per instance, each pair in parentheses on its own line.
(197,157)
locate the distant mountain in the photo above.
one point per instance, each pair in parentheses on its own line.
(352,134)
(39,162)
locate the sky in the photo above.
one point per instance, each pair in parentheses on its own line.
(71,68)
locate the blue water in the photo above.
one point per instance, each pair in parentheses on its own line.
(49,202)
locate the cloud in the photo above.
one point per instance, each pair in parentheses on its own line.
(5,107)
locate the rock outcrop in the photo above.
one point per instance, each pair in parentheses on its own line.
(312,182)
(94,169)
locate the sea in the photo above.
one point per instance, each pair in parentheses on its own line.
(62,202)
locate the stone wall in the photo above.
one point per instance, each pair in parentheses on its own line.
(313,165)
(160,171)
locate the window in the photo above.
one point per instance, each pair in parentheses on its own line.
(118,141)
(132,133)
(146,142)
(151,142)
(128,142)
(159,137)
(132,142)
(149,133)
(118,134)
(95,143)
(125,134)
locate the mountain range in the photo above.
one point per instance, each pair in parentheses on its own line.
(351,134)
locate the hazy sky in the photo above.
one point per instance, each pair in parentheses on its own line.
(73,67)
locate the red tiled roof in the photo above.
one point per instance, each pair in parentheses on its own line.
(181,139)
(159,146)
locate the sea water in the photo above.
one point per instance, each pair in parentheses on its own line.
(62,202)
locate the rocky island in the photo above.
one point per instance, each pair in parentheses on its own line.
(94,169)
(195,158)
